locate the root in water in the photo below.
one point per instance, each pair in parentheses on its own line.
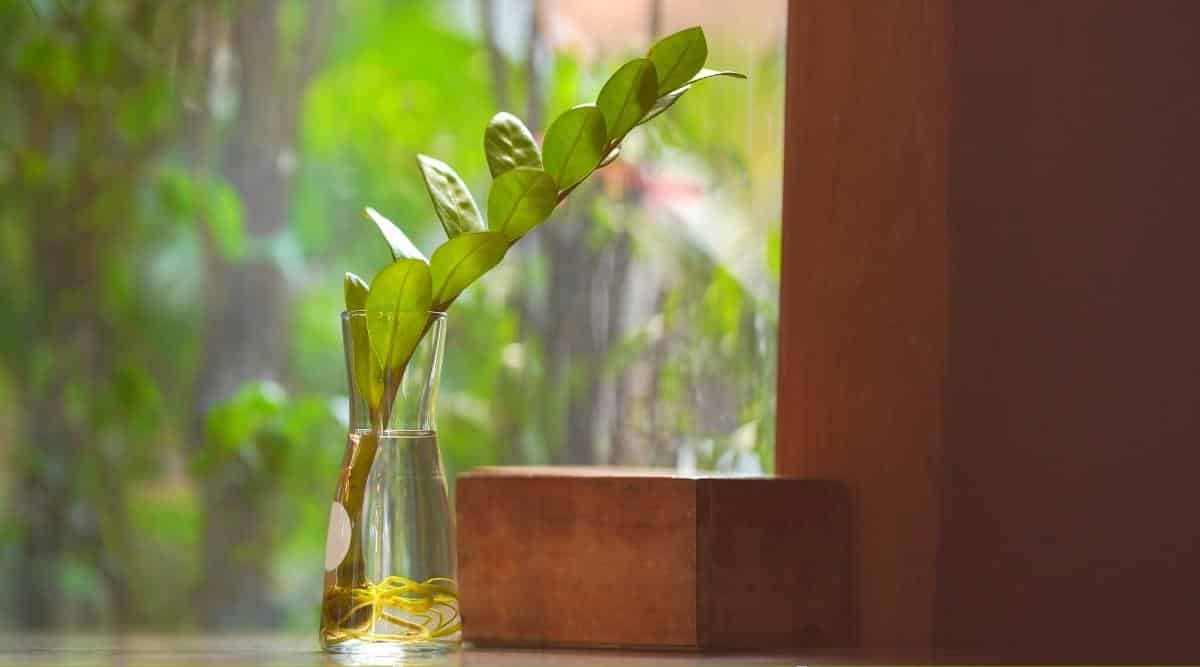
(423,610)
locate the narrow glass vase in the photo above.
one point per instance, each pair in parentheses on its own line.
(390,579)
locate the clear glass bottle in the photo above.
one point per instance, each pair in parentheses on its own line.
(390,578)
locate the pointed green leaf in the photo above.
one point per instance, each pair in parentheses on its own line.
(663,103)
(356,290)
(706,73)
(627,96)
(451,199)
(397,309)
(612,155)
(508,144)
(678,57)
(461,261)
(401,247)
(356,301)
(574,145)
(520,200)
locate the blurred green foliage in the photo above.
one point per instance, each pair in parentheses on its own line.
(110,223)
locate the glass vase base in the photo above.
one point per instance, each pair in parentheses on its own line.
(361,651)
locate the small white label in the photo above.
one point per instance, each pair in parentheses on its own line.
(338,541)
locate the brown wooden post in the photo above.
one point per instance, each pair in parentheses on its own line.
(989,318)
(865,287)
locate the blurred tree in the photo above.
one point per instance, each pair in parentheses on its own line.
(247,303)
(579,312)
(74,337)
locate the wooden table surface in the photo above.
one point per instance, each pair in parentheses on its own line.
(300,651)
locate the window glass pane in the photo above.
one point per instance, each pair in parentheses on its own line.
(183,186)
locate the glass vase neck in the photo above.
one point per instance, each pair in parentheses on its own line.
(408,396)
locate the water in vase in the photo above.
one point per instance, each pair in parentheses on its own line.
(390,585)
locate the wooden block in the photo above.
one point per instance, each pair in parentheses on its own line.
(624,558)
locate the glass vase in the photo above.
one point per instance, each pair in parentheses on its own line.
(390,579)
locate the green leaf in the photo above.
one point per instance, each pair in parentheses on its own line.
(678,57)
(461,261)
(451,199)
(356,300)
(627,96)
(608,159)
(401,247)
(574,145)
(233,423)
(508,144)
(520,200)
(397,309)
(663,103)
(706,73)
(356,292)
(224,219)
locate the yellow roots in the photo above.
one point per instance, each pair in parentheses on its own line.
(426,610)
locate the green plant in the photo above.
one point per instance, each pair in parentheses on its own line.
(528,184)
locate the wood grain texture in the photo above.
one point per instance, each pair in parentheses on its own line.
(988,318)
(773,564)
(562,557)
(865,285)
(551,560)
